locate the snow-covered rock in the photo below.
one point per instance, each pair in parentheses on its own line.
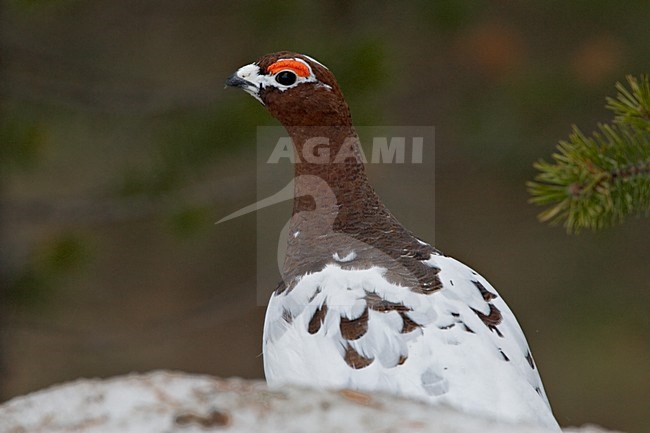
(167,402)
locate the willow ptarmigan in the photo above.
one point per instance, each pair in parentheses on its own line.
(364,303)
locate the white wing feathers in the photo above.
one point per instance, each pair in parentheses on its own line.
(460,345)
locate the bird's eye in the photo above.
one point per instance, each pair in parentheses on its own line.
(286,78)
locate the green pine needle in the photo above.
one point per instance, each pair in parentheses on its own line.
(632,107)
(596,181)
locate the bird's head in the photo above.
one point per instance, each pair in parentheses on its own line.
(296,89)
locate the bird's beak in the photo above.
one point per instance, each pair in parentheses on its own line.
(248,79)
(236,81)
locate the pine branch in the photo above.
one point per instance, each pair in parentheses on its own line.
(596,181)
(632,107)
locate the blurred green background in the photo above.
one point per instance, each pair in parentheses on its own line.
(120,149)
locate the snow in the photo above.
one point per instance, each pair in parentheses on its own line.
(168,402)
